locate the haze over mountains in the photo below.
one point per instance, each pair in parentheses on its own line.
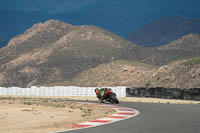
(57,53)
(121,18)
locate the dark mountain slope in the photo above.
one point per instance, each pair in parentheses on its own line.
(185,47)
(164,31)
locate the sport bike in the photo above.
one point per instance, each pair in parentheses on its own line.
(110,96)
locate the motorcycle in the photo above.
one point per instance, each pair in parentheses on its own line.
(110,96)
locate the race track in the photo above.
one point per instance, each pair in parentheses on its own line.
(154,118)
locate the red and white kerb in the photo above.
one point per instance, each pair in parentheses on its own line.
(121,114)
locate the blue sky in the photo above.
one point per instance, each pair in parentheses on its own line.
(121,17)
(57,6)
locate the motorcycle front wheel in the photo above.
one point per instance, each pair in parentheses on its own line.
(115,100)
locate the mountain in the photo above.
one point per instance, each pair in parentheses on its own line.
(119,17)
(189,42)
(115,73)
(178,74)
(55,51)
(185,47)
(165,30)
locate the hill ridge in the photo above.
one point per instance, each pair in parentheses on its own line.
(56,54)
(55,51)
(40,27)
(180,43)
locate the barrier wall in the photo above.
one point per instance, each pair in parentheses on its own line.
(58,91)
(121,91)
(165,93)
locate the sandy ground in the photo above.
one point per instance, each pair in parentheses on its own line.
(142,100)
(49,114)
(42,115)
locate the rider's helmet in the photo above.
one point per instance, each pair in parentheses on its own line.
(96,90)
(107,89)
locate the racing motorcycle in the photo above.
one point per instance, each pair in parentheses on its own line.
(110,96)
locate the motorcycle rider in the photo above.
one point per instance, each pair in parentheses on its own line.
(100,94)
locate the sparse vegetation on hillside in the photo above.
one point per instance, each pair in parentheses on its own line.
(193,61)
(115,73)
(55,53)
(179,74)
(185,47)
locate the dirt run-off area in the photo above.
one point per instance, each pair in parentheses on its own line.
(43,115)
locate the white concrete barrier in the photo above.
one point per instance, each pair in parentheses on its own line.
(58,91)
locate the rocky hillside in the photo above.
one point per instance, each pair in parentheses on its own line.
(164,31)
(55,51)
(189,42)
(181,74)
(116,73)
(187,46)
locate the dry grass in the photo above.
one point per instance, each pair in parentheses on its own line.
(40,115)
(48,114)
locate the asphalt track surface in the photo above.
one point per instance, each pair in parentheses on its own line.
(153,118)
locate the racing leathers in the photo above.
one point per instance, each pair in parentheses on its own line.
(100,93)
